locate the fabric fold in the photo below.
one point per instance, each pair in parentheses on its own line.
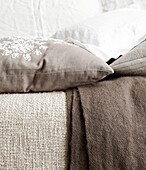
(108,125)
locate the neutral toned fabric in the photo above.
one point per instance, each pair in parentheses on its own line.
(110,34)
(33,131)
(43,17)
(46,65)
(108,125)
(133,63)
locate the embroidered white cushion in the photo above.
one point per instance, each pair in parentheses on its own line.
(110,34)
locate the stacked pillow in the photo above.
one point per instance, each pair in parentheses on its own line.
(108,35)
(132,63)
(47,65)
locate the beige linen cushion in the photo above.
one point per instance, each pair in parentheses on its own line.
(46,65)
(133,63)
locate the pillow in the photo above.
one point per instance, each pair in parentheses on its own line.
(43,17)
(110,34)
(133,63)
(46,65)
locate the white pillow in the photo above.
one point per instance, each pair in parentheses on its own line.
(110,34)
(67,12)
(43,17)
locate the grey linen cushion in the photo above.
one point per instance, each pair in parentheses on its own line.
(46,65)
(132,63)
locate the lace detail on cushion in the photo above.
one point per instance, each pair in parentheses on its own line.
(25,47)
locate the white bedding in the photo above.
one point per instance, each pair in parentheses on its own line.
(108,5)
(42,17)
(45,17)
(108,35)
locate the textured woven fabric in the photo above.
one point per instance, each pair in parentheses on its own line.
(33,131)
(132,63)
(108,125)
(26,63)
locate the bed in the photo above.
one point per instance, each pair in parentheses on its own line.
(62,118)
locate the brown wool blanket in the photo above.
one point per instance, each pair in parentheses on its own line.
(108,126)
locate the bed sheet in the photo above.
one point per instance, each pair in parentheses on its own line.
(42,17)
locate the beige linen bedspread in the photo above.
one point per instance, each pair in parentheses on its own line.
(33,131)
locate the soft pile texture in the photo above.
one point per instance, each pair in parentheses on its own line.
(33,131)
(108,125)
